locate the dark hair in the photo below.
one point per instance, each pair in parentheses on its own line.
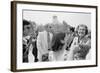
(56,41)
(25,22)
(72,29)
(86,28)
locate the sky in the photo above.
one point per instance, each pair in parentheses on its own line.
(44,17)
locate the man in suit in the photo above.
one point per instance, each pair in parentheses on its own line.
(44,43)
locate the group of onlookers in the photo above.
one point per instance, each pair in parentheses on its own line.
(49,45)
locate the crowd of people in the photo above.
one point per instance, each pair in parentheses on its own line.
(55,42)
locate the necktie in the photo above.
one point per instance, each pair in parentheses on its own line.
(48,40)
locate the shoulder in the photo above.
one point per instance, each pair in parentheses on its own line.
(41,33)
(86,40)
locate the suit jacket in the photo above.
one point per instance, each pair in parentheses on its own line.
(42,43)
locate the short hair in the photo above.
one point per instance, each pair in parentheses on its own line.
(56,41)
(86,29)
(25,22)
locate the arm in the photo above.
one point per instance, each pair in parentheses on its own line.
(39,48)
(74,47)
(39,43)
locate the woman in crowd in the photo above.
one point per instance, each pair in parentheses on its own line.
(80,45)
(26,43)
(29,42)
(43,43)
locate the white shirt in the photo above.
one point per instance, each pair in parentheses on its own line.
(42,44)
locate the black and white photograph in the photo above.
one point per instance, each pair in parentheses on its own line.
(56,36)
(53,36)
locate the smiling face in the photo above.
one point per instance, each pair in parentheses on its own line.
(82,31)
(27,29)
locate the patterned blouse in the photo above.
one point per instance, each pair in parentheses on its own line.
(83,48)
